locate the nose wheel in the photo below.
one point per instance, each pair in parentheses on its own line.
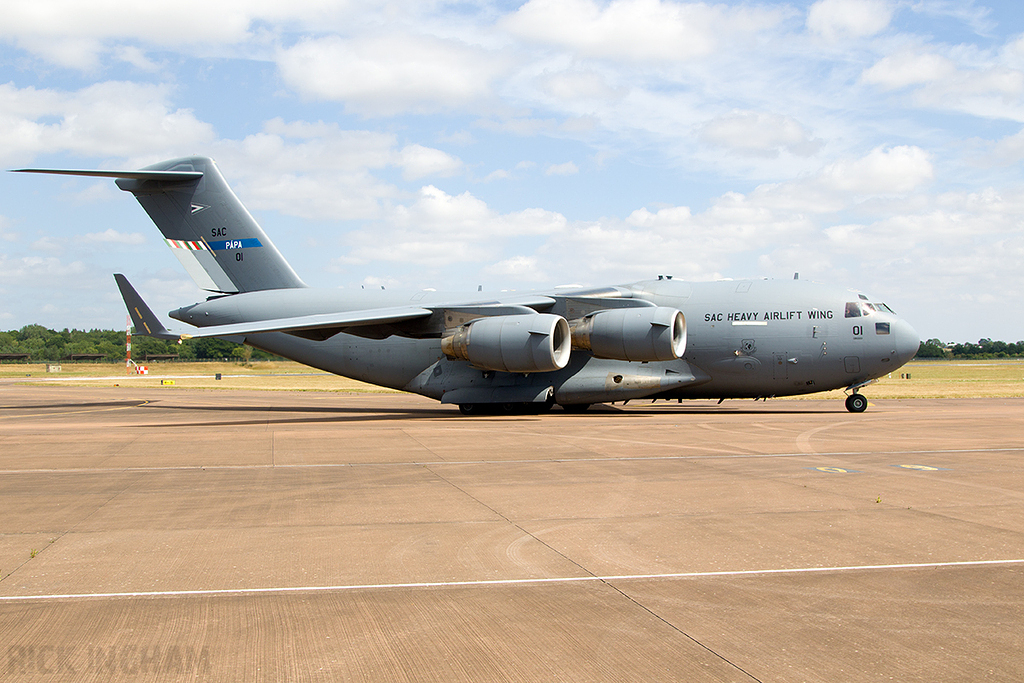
(856,403)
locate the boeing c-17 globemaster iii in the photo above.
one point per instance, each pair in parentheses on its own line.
(517,352)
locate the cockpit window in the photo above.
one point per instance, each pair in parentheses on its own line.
(856,309)
(881,328)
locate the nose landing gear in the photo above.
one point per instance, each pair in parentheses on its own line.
(856,403)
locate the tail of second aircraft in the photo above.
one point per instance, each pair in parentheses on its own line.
(216,239)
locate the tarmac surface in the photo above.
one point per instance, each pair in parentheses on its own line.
(170,534)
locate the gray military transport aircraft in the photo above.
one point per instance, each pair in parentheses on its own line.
(518,352)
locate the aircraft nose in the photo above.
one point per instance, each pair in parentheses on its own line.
(907,340)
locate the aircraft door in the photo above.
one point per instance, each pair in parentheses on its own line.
(781,366)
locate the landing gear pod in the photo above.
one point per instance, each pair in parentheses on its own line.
(512,343)
(635,334)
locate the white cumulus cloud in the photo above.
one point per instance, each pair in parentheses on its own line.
(892,170)
(390,74)
(439,229)
(78,35)
(107,119)
(834,19)
(639,30)
(568,168)
(418,162)
(759,134)
(320,170)
(902,70)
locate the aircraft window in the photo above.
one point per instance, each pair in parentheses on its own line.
(881,328)
(855,309)
(863,297)
(884,308)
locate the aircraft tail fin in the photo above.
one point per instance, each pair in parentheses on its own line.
(145,321)
(216,239)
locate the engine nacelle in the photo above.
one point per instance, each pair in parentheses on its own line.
(512,343)
(637,334)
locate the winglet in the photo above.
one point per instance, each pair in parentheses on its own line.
(145,321)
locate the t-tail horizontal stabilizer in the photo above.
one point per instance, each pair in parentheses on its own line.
(145,321)
(158,176)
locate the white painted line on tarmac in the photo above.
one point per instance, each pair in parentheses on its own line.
(531,461)
(502,582)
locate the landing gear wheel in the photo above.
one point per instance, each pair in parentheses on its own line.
(469,409)
(856,403)
(576,407)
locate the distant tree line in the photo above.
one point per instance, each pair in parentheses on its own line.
(42,344)
(985,348)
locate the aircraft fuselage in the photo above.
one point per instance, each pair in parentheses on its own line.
(745,339)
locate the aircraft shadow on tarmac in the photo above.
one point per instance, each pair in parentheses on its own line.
(128,403)
(313,414)
(329,414)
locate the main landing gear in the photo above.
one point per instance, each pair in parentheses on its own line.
(856,403)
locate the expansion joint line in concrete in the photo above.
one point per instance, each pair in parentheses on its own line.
(509,521)
(593,576)
(678,630)
(67,531)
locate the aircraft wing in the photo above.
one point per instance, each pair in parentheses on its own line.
(374,323)
(320,326)
(416,321)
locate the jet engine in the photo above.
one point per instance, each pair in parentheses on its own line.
(538,342)
(637,334)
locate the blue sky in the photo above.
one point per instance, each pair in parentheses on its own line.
(874,144)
